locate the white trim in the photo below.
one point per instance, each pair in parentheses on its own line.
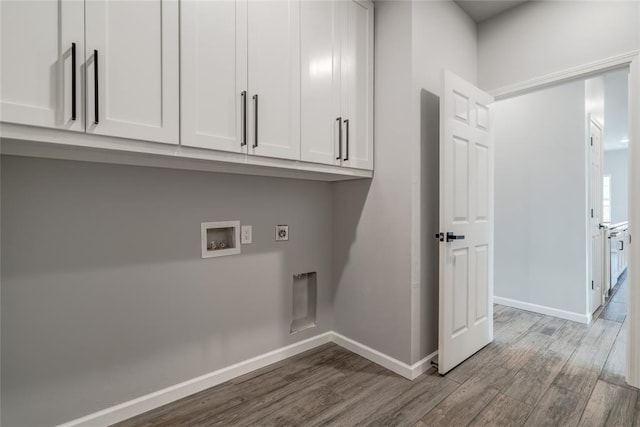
(408,371)
(632,374)
(30,141)
(549,311)
(571,73)
(423,365)
(172,393)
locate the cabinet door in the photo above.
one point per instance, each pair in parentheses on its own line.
(357,69)
(274,78)
(37,57)
(214,74)
(321,121)
(135,45)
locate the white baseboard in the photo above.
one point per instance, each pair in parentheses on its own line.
(549,311)
(422,366)
(170,394)
(408,371)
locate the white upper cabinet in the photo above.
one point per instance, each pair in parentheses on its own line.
(274,78)
(282,83)
(320,41)
(42,52)
(214,74)
(337,82)
(133,90)
(357,85)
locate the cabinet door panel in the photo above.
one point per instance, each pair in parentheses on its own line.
(274,76)
(214,73)
(320,22)
(36,57)
(358,71)
(137,46)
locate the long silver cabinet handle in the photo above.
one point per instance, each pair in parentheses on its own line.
(255,106)
(96,91)
(243,142)
(339,120)
(73,81)
(346,157)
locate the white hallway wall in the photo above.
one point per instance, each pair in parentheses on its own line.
(543,37)
(616,164)
(540,198)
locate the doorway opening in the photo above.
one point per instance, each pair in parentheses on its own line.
(561,209)
(607,107)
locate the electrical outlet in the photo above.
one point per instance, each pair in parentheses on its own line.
(282,232)
(246,234)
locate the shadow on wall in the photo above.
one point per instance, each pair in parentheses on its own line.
(350,197)
(429,219)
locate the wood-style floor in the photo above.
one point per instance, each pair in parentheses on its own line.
(539,371)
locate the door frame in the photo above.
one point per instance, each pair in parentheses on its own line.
(591,255)
(630,60)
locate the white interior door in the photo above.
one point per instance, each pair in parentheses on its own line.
(274,78)
(42,50)
(466,222)
(214,74)
(596,232)
(136,46)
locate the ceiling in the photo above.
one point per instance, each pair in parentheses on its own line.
(481,10)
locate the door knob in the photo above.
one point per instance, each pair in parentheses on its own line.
(451,237)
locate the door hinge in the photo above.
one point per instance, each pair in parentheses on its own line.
(592,141)
(592,286)
(591,213)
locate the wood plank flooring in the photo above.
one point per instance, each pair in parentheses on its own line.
(539,371)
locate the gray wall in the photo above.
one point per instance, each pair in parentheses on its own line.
(542,37)
(105,297)
(372,220)
(616,164)
(443,37)
(385,253)
(540,198)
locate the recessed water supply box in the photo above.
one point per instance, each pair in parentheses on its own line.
(305,301)
(220,238)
